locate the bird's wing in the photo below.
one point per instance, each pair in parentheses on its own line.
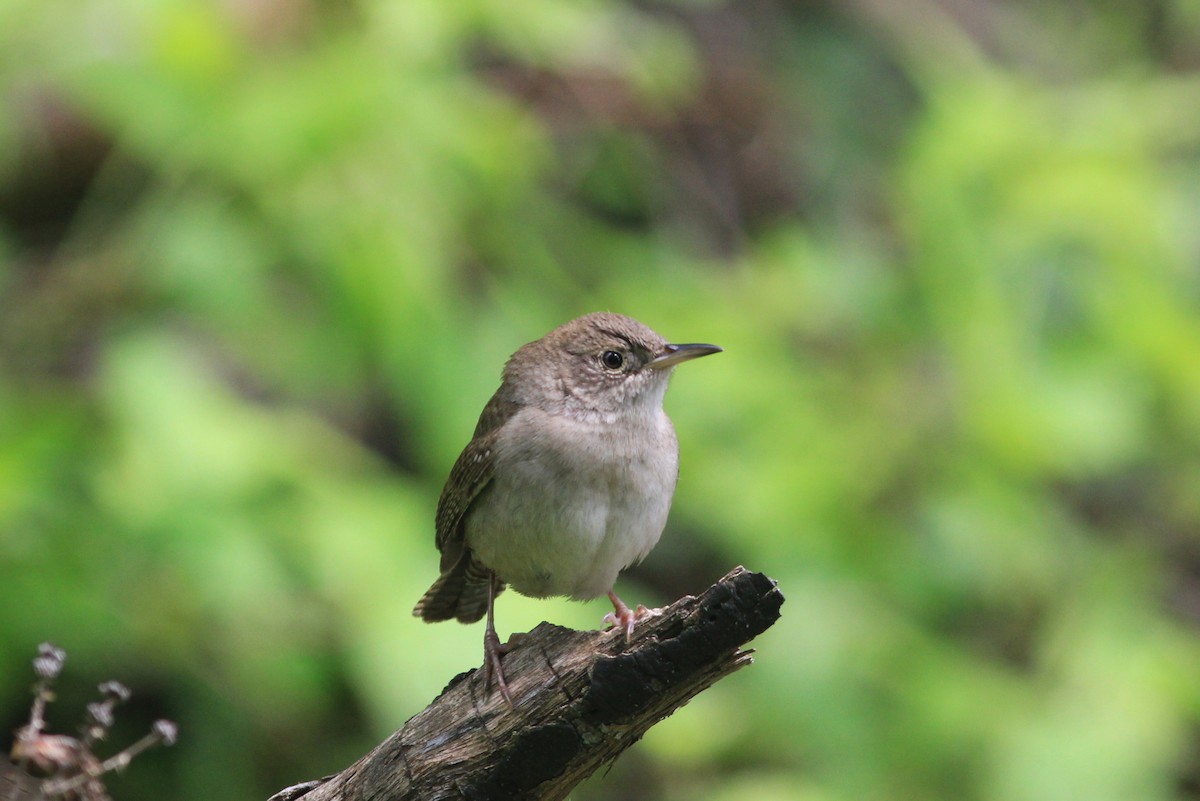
(461,590)
(471,475)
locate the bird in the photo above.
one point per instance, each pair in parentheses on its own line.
(567,480)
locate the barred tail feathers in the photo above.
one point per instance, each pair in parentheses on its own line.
(460,592)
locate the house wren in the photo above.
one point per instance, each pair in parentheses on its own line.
(567,480)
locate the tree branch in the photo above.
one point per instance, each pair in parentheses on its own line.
(580,697)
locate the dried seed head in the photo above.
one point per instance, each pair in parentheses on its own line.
(50,660)
(114,691)
(100,714)
(166,731)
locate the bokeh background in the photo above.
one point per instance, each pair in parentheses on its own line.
(261,262)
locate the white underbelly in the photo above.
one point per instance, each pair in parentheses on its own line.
(555,524)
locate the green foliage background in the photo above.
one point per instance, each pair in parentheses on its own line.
(261,261)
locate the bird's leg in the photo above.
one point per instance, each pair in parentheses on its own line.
(624,617)
(492,649)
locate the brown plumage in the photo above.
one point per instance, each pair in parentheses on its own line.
(461,592)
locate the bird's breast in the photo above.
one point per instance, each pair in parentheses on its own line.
(573,502)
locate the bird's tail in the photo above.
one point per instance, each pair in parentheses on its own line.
(460,592)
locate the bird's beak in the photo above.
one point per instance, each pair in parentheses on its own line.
(674,354)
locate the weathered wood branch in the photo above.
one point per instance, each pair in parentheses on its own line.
(580,698)
(17,785)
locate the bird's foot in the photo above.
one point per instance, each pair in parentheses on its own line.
(624,617)
(492,649)
(492,669)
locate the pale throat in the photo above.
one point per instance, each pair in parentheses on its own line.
(640,408)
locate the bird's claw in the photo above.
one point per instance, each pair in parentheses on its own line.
(623,617)
(492,669)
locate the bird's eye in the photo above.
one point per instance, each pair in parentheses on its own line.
(612,359)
